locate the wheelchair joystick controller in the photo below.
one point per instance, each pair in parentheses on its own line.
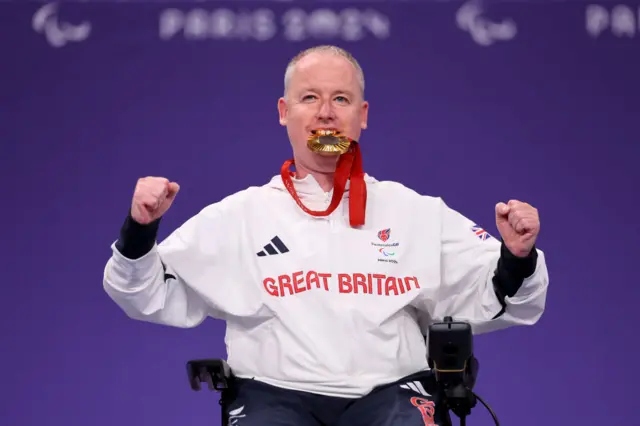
(456,369)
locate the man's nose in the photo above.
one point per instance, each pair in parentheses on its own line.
(325,112)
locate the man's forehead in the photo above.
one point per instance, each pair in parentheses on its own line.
(325,85)
(329,71)
(319,60)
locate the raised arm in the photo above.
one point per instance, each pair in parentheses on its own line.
(491,283)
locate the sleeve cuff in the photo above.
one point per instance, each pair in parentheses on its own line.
(511,272)
(518,267)
(136,239)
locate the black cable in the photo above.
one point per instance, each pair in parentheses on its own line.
(463,418)
(495,418)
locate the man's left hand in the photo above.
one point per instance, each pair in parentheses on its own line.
(519,225)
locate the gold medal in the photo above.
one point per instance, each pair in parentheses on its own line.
(328,141)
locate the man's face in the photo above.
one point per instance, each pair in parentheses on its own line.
(323,92)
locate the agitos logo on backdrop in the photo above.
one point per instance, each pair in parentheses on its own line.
(483,31)
(45,21)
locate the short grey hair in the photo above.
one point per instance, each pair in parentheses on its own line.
(325,49)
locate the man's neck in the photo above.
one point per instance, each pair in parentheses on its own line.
(324,179)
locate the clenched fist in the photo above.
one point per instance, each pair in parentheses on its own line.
(519,225)
(152,198)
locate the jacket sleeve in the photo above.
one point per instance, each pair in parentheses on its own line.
(160,283)
(482,282)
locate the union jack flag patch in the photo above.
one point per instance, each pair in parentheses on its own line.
(480,233)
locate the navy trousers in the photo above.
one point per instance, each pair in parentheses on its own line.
(411,401)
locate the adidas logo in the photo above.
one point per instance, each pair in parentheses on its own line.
(236,415)
(416,387)
(276,246)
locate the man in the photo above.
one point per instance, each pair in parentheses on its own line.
(327,278)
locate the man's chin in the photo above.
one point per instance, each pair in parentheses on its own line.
(325,162)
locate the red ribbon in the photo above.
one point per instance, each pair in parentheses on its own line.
(349,167)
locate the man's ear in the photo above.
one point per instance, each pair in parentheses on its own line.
(364,115)
(282,111)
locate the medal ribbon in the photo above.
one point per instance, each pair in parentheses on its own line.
(349,167)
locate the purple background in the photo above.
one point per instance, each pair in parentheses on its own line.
(549,117)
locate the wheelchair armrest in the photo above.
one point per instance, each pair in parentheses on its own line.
(215,372)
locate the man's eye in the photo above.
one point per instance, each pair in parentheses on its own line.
(308,98)
(342,99)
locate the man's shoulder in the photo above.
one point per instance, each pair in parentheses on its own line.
(233,201)
(240,200)
(398,191)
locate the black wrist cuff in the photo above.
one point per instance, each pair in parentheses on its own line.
(511,273)
(136,239)
(518,267)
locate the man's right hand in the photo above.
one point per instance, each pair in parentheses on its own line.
(152,198)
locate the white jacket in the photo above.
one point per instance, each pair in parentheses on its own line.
(326,308)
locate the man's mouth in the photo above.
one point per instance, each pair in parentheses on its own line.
(326,136)
(324,131)
(326,140)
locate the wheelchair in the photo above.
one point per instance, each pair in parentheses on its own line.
(217,374)
(453,347)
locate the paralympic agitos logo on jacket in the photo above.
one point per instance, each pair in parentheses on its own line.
(386,249)
(356,283)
